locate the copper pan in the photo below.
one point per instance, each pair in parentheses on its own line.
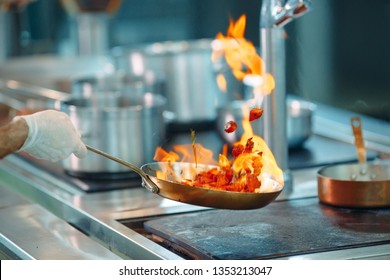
(194,195)
(361,185)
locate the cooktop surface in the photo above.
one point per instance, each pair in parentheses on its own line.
(283,228)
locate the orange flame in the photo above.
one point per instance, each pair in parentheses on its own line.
(184,153)
(241,56)
(253,167)
(270,168)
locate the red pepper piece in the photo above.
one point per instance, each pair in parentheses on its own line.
(255,114)
(230,126)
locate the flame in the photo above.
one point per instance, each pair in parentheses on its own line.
(184,153)
(163,155)
(253,171)
(241,56)
(221,82)
(252,166)
(270,168)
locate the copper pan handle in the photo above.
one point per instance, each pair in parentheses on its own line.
(359,141)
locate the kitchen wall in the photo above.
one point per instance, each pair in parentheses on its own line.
(336,54)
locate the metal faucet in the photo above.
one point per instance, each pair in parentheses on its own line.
(275,14)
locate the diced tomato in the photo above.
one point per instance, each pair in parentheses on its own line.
(240,173)
(238,150)
(255,114)
(249,146)
(252,183)
(230,126)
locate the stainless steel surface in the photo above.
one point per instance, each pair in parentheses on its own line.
(44,70)
(91,33)
(186,69)
(299,121)
(273,16)
(29,231)
(61,241)
(376,140)
(90,25)
(334,123)
(277,13)
(98,85)
(20,95)
(129,126)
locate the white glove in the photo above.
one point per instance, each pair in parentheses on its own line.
(52,136)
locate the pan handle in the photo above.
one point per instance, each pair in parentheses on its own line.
(359,142)
(146,182)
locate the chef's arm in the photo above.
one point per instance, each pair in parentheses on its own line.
(12,136)
(48,135)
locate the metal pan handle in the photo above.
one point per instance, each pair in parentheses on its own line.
(147,182)
(359,141)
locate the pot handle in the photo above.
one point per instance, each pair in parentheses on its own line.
(359,142)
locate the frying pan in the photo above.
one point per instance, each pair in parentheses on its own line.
(361,185)
(193,195)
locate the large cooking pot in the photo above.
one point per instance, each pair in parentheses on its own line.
(129,126)
(188,74)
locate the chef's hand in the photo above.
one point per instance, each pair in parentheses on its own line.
(52,136)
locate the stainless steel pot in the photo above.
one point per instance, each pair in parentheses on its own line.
(187,71)
(299,122)
(127,126)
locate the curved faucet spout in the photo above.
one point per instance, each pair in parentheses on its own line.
(277,13)
(298,8)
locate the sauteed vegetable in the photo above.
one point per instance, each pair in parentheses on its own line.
(255,113)
(230,126)
(241,174)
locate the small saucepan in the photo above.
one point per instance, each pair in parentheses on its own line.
(361,185)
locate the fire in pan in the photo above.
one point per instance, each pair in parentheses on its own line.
(181,192)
